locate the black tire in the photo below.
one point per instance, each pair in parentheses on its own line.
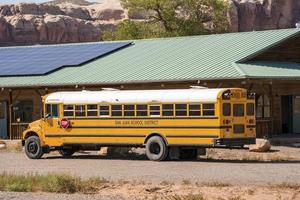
(188,154)
(66,152)
(33,148)
(156,149)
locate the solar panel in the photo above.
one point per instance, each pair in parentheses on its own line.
(39,60)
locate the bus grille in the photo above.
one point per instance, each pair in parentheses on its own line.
(238,128)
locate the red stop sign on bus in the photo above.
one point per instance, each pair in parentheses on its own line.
(64,123)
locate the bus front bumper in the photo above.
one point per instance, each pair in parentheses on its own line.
(234,141)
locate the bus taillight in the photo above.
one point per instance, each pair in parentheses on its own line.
(226,121)
(251,121)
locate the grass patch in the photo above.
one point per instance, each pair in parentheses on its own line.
(215,184)
(236,198)
(166,183)
(292,186)
(187,197)
(186,182)
(56,183)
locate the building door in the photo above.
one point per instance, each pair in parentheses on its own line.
(296,115)
(287,113)
(3,120)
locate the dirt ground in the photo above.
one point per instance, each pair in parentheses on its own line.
(184,191)
(223,174)
(277,153)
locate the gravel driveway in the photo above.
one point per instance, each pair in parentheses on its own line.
(201,171)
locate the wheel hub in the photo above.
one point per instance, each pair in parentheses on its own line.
(155,148)
(32,147)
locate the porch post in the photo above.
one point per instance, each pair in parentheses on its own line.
(271,133)
(10,109)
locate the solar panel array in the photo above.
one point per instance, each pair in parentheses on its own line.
(39,60)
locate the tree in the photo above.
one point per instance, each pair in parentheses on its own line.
(173,18)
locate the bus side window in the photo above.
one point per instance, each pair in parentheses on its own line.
(80,111)
(141,110)
(181,109)
(52,110)
(92,110)
(68,110)
(208,109)
(129,110)
(154,110)
(168,110)
(104,110)
(116,110)
(195,110)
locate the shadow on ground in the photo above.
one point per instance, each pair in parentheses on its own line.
(142,157)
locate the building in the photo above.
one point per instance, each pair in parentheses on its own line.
(264,62)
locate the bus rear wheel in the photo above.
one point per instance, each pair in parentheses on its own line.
(33,148)
(156,149)
(66,152)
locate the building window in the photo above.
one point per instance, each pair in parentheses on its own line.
(181,109)
(167,110)
(141,110)
(263,107)
(52,110)
(68,110)
(23,111)
(129,110)
(92,110)
(195,110)
(104,110)
(116,110)
(208,109)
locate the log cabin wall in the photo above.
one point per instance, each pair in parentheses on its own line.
(288,51)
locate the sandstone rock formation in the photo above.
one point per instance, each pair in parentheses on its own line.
(64,21)
(261,145)
(38,24)
(249,15)
(2,145)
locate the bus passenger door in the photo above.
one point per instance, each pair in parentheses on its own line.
(51,121)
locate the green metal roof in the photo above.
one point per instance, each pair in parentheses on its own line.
(265,69)
(170,59)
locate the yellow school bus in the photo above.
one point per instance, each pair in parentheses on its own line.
(169,122)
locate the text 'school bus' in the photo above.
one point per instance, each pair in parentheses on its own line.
(166,122)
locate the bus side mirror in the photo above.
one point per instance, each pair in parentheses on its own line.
(48,115)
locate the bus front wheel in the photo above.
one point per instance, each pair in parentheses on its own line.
(156,149)
(33,147)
